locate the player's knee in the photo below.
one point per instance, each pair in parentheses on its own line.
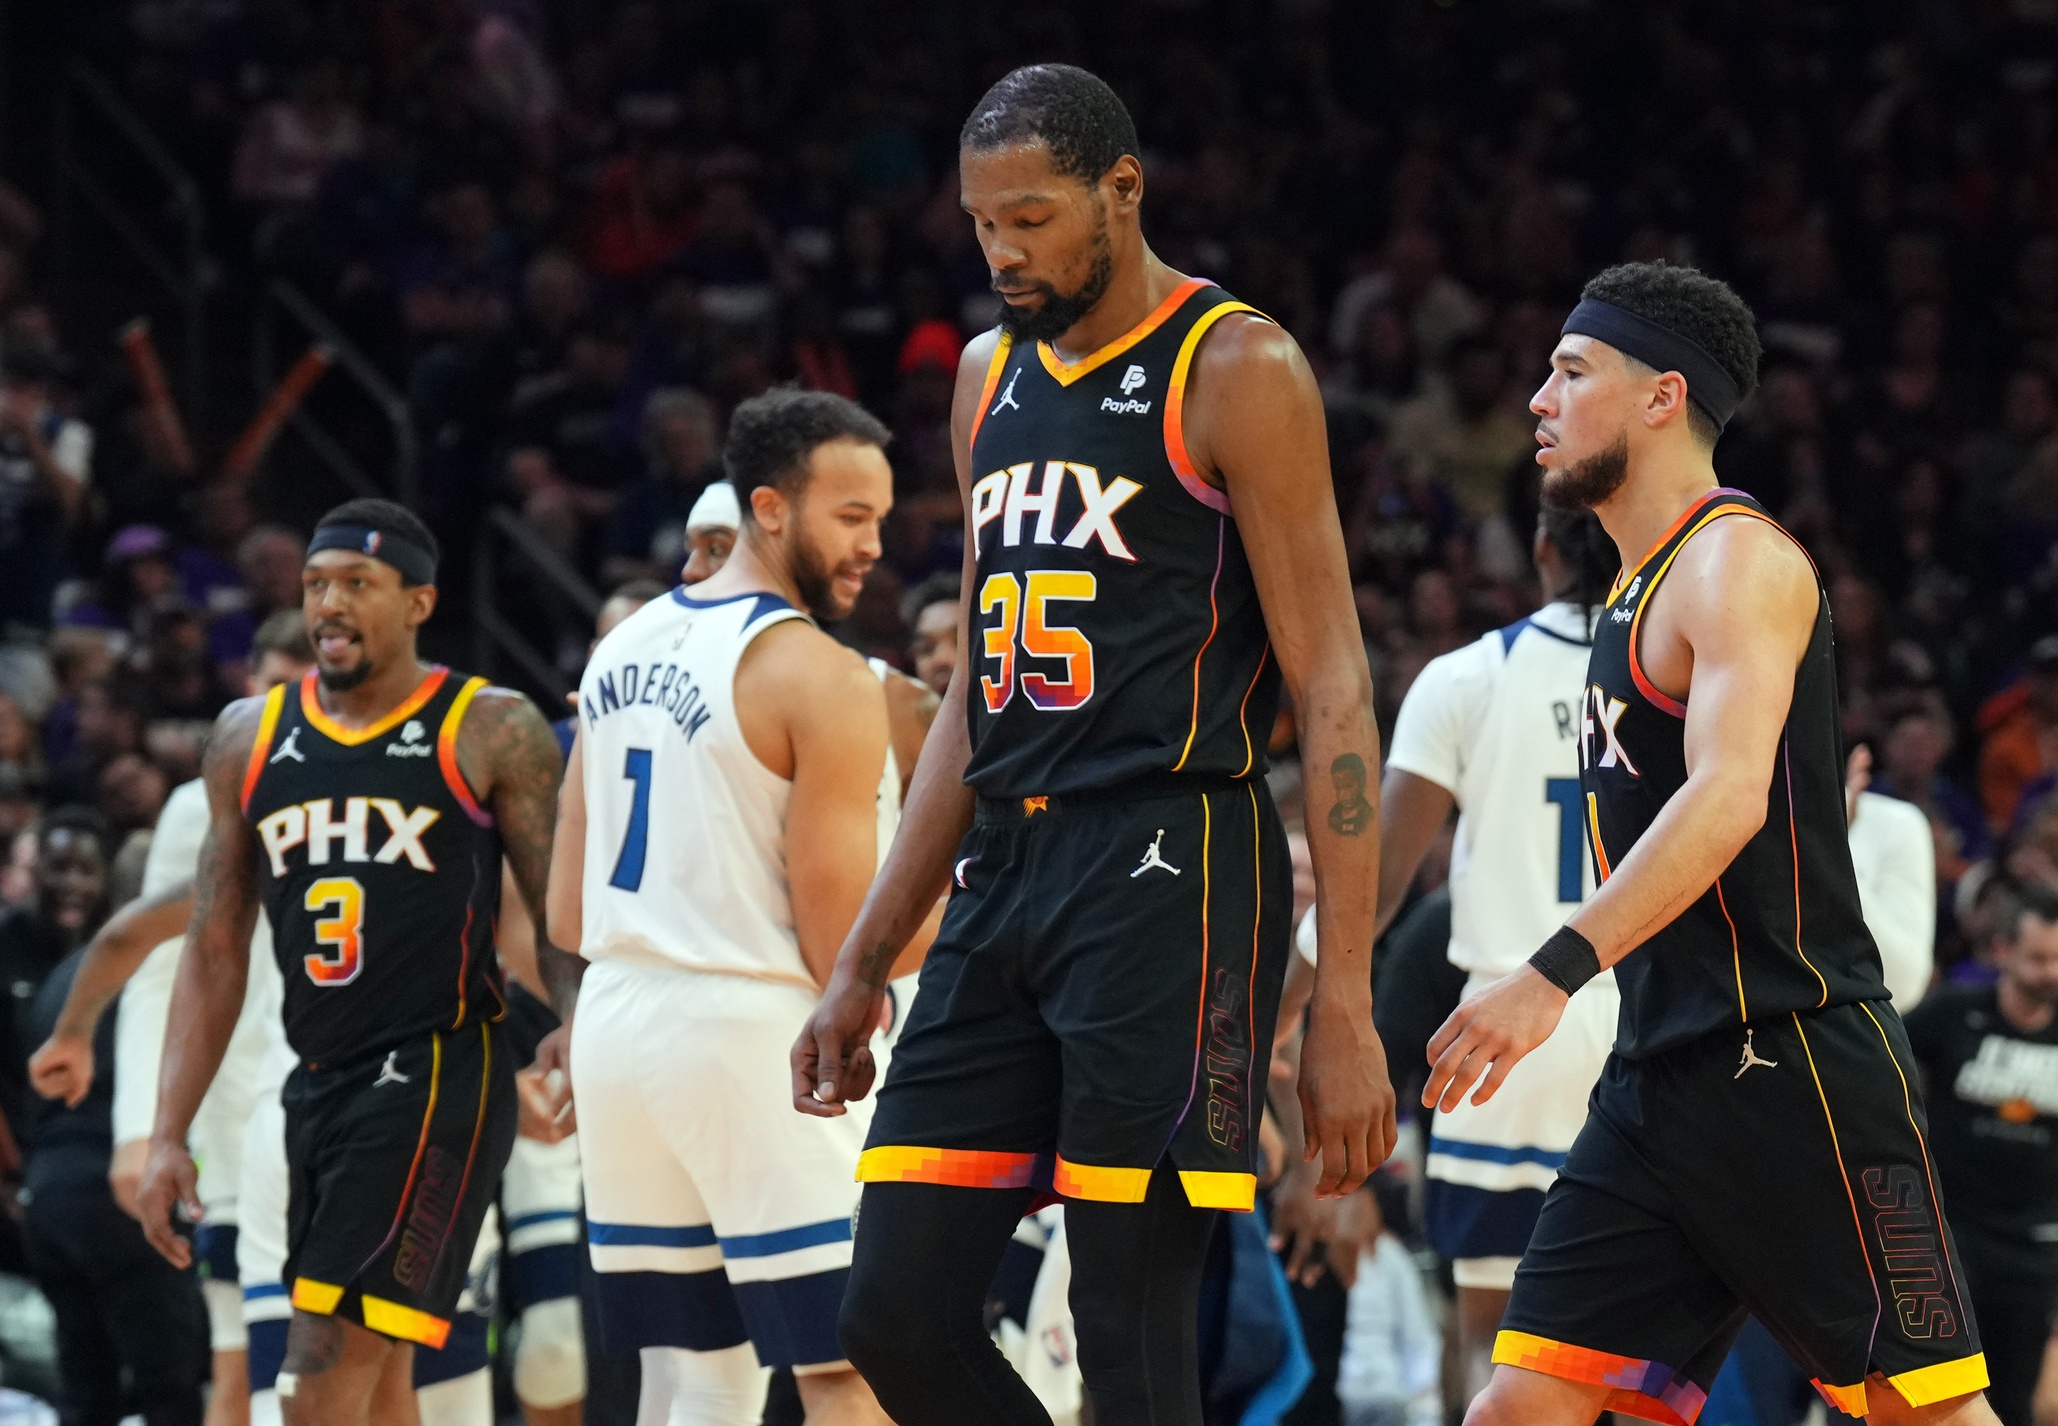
(1497,1406)
(550,1364)
(883,1330)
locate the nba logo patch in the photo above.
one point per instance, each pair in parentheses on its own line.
(371,542)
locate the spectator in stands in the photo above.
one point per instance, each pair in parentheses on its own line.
(1911,768)
(1893,851)
(138,573)
(2019,734)
(270,558)
(934,613)
(1467,437)
(46,467)
(682,450)
(458,286)
(289,144)
(131,1329)
(567,460)
(1989,1057)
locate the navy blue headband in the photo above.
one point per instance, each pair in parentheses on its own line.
(1710,387)
(416,564)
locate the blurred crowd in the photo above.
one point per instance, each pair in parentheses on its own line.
(576,232)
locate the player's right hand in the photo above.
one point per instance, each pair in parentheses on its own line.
(170,1182)
(832,1059)
(125,1174)
(63,1068)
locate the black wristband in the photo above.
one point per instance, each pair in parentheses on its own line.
(1567,960)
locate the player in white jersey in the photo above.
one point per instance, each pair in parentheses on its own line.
(1493,729)
(717,832)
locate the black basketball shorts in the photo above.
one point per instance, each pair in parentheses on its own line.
(1100,999)
(393,1161)
(1793,1184)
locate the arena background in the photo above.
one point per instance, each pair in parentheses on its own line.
(539,248)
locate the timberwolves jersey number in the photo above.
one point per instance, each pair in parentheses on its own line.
(380,871)
(1116,631)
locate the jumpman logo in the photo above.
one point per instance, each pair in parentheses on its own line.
(290,748)
(390,1074)
(1751,1058)
(1007,395)
(1153,858)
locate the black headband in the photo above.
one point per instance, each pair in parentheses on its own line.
(1707,384)
(415,563)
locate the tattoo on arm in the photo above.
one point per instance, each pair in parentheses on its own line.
(1351,814)
(506,746)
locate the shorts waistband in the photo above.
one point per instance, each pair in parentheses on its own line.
(991,810)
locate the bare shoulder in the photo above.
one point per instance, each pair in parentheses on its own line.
(973,364)
(795,660)
(910,701)
(227,758)
(504,737)
(1742,573)
(1246,347)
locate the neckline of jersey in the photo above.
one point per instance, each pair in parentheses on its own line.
(1066,372)
(1628,574)
(311,707)
(679,593)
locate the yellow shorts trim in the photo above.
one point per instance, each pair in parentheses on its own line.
(1927,1385)
(1237,1192)
(317,1297)
(1099,1184)
(1848,1399)
(390,1319)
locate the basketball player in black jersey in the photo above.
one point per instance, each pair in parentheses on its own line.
(370,808)
(1756,1143)
(1151,546)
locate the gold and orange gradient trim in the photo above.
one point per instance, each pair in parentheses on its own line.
(1650,1391)
(956,1168)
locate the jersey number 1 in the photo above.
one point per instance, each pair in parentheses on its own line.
(1564,791)
(628,874)
(1023,614)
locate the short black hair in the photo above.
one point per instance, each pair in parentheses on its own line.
(1589,554)
(771,437)
(385,515)
(943,587)
(1084,123)
(284,633)
(1703,309)
(2032,898)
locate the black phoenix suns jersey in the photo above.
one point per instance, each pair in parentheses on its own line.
(1116,633)
(1780,930)
(381,872)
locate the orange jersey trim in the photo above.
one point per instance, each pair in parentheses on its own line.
(1628,573)
(407,1324)
(1648,1390)
(1250,754)
(1836,1148)
(1214,625)
(446,753)
(311,705)
(1736,953)
(267,729)
(1593,828)
(956,1168)
(421,1147)
(1066,372)
(1848,1399)
(1100,1184)
(993,371)
(1175,408)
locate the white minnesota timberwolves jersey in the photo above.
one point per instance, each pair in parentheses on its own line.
(1496,724)
(685,828)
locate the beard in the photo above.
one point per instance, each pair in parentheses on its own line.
(1060,311)
(813,577)
(1587,483)
(342,680)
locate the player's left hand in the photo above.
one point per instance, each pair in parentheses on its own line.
(1347,1108)
(63,1068)
(1496,1028)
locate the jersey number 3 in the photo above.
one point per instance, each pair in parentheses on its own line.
(1023,616)
(341,934)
